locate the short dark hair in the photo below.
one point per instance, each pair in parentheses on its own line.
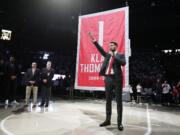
(115,43)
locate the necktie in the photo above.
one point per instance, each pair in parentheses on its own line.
(110,64)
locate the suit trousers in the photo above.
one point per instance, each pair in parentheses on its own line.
(46,92)
(111,83)
(11,90)
(28,94)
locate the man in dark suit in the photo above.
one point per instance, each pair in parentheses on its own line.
(32,78)
(2,78)
(12,73)
(46,81)
(111,69)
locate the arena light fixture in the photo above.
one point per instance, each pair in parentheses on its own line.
(45,57)
(6,34)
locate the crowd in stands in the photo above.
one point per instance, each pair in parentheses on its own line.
(149,75)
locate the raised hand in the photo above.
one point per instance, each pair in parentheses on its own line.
(92,37)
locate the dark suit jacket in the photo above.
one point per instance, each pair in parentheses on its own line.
(118,62)
(30,77)
(47,74)
(11,70)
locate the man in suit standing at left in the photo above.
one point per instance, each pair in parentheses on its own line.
(32,81)
(11,74)
(46,80)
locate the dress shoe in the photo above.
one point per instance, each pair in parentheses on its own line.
(34,106)
(41,105)
(120,127)
(105,123)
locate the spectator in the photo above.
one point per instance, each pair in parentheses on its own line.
(175,95)
(131,92)
(139,90)
(165,92)
(157,91)
(178,89)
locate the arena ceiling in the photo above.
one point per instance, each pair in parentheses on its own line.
(52,24)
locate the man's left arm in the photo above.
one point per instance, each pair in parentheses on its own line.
(120,58)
